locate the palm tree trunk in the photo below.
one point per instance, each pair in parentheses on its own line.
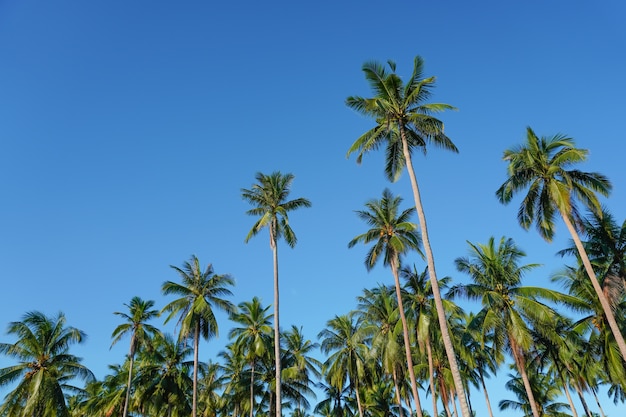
(521,367)
(482,381)
(276,327)
(394,375)
(358,398)
(131,357)
(431,375)
(456,412)
(252,390)
(579,391)
(441,314)
(606,306)
(569,400)
(196,345)
(595,395)
(407,342)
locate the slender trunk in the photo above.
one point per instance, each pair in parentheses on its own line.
(407,342)
(482,381)
(606,306)
(521,367)
(581,396)
(431,375)
(358,398)
(276,327)
(441,314)
(456,412)
(394,375)
(131,357)
(196,345)
(595,395)
(569,400)
(252,389)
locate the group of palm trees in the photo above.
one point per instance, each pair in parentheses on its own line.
(401,343)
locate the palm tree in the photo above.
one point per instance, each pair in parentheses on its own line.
(541,165)
(380,307)
(163,377)
(544,390)
(344,336)
(393,235)
(404,121)
(507,306)
(139,312)
(45,366)
(269,198)
(200,292)
(252,336)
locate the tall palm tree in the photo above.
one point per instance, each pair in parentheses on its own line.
(45,369)
(541,165)
(139,312)
(380,307)
(405,122)
(252,335)
(344,338)
(200,292)
(392,235)
(269,198)
(507,306)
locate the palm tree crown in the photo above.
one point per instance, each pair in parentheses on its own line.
(391,231)
(269,196)
(541,166)
(200,291)
(45,366)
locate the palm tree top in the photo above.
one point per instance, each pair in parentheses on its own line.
(391,231)
(395,107)
(543,166)
(269,198)
(199,291)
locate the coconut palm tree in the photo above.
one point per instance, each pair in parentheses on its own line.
(139,312)
(380,307)
(507,306)
(344,338)
(45,369)
(252,336)
(200,293)
(541,165)
(269,198)
(163,377)
(545,391)
(392,235)
(405,122)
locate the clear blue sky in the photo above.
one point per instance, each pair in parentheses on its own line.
(127,130)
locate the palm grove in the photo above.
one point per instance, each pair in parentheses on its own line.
(405,348)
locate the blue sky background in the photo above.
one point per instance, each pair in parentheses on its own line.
(127,130)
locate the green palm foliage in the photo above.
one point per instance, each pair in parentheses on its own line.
(418,294)
(139,312)
(605,245)
(392,235)
(345,340)
(200,292)
(45,366)
(269,198)
(404,123)
(379,307)
(163,380)
(542,165)
(507,306)
(252,335)
(545,392)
